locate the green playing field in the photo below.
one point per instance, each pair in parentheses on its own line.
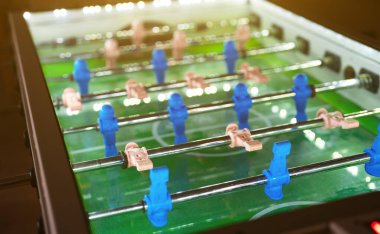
(113,187)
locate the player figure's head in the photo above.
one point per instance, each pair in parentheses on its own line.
(175,101)
(241,90)
(282,147)
(106,112)
(111,44)
(80,65)
(243,29)
(137,25)
(158,55)
(179,35)
(301,80)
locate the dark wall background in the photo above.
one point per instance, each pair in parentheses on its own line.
(358,19)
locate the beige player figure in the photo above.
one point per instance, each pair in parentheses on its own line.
(336,119)
(242,35)
(138,157)
(138,32)
(253,73)
(111,53)
(242,138)
(179,44)
(135,90)
(71,99)
(194,81)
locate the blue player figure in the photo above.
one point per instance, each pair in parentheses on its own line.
(277,174)
(158,201)
(373,166)
(302,92)
(231,55)
(108,127)
(160,65)
(82,75)
(178,115)
(243,102)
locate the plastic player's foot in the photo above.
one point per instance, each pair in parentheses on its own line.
(274,193)
(83,87)
(373,170)
(253,145)
(158,219)
(230,67)
(181,139)
(160,78)
(111,151)
(301,117)
(244,125)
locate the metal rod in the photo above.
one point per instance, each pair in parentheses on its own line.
(218,105)
(233,185)
(215,141)
(128,49)
(182,83)
(187,60)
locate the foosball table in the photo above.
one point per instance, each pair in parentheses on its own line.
(188,116)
